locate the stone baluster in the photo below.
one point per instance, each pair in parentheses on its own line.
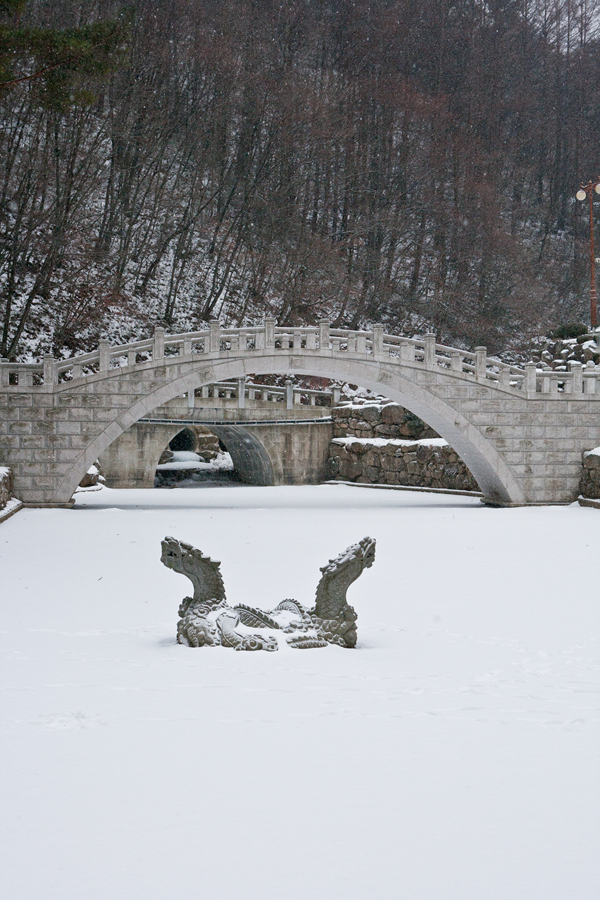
(553,382)
(361,343)
(480,361)
(158,343)
(205,391)
(214,341)
(456,359)
(242,341)
(77,373)
(191,399)
(430,350)
(26,378)
(270,333)
(505,375)
(336,396)
(530,377)
(241,393)
(351,343)
(4,373)
(311,340)
(186,348)
(407,351)
(297,399)
(589,378)
(576,378)
(324,337)
(289,394)
(131,357)
(546,383)
(50,373)
(264,394)
(103,356)
(377,340)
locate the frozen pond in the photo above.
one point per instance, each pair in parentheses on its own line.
(452,756)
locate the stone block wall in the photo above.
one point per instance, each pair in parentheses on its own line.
(376,420)
(429,463)
(590,479)
(6,486)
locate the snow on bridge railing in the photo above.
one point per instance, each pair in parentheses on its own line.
(410,352)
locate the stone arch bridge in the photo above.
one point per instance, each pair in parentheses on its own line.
(521,432)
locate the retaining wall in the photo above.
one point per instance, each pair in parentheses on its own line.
(428,463)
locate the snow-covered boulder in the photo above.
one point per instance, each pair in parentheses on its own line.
(590,480)
(6,486)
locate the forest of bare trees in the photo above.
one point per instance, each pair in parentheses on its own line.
(410,162)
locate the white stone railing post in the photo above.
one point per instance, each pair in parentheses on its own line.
(589,378)
(361,343)
(377,340)
(336,395)
(77,373)
(456,360)
(289,394)
(214,340)
(131,358)
(191,399)
(324,336)
(530,377)
(270,333)
(407,351)
(480,361)
(4,373)
(241,393)
(577,378)
(430,350)
(50,373)
(103,356)
(158,344)
(186,350)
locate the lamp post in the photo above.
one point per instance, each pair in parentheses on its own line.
(587,191)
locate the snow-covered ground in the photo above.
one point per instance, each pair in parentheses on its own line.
(452,756)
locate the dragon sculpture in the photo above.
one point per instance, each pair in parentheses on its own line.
(206,619)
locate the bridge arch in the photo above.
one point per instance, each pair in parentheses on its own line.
(487,466)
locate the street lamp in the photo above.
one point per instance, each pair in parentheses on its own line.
(587,190)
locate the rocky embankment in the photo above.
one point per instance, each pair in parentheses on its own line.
(383,443)
(556,354)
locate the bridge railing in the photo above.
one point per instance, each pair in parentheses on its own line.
(419,352)
(291,394)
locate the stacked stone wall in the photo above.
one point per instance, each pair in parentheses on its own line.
(590,479)
(394,447)
(6,486)
(429,464)
(377,420)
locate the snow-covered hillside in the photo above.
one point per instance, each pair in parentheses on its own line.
(451,756)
